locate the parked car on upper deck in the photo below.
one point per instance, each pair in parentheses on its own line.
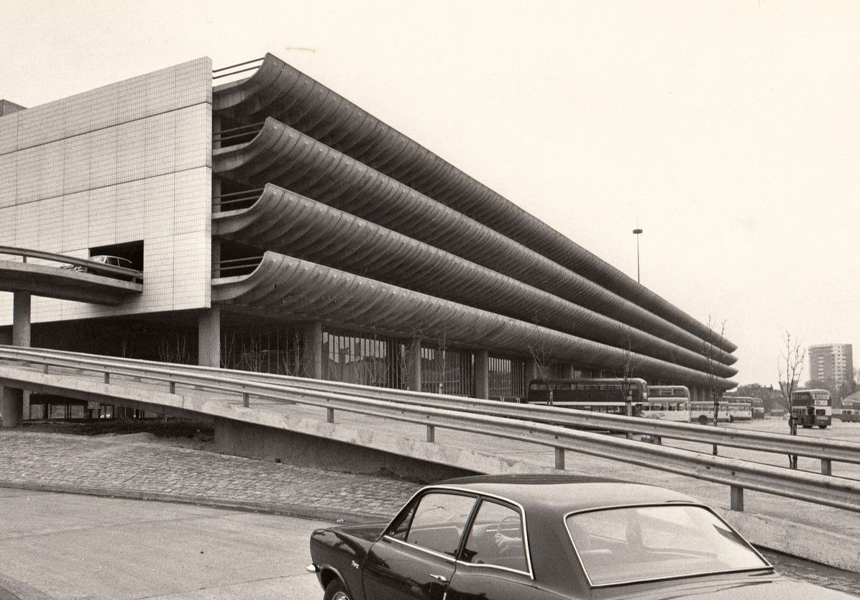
(115,261)
(528,537)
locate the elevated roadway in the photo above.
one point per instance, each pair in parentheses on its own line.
(63,278)
(66,278)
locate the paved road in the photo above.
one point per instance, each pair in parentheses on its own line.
(68,547)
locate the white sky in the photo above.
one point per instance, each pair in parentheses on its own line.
(730,130)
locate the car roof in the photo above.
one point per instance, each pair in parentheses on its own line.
(566,493)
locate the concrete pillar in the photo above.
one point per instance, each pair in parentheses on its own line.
(312,350)
(12,407)
(532,371)
(21,319)
(209,338)
(413,366)
(482,374)
(216,258)
(13,400)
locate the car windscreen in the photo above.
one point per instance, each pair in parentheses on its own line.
(643,543)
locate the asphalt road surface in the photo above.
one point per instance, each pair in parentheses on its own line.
(65,546)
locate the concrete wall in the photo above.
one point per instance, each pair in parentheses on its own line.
(268,443)
(130,161)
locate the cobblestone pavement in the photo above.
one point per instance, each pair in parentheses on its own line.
(113,466)
(116,466)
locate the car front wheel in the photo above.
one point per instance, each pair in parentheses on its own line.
(336,591)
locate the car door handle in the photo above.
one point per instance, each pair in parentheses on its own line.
(440,578)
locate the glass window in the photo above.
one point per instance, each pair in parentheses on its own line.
(400,527)
(496,538)
(439,521)
(655,542)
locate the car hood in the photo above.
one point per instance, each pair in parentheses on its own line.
(743,589)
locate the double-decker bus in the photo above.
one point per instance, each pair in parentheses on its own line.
(613,396)
(851,411)
(811,408)
(668,403)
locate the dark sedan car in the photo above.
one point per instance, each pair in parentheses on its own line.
(533,537)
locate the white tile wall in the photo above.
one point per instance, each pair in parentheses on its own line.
(8,179)
(9,133)
(130,161)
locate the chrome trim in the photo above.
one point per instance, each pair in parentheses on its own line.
(450,559)
(668,503)
(453,488)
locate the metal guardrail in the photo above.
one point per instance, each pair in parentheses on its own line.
(234,69)
(828,451)
(737,474)
(90,265)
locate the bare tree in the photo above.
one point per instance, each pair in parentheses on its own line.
(542,353)
(790,368)
(629,364)
(711,352)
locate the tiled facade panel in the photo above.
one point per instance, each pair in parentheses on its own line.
(131,161)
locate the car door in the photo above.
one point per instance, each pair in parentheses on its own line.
(414,559)
(494,563)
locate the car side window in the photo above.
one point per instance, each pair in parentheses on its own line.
(400,527)
(496,538)
(439,521)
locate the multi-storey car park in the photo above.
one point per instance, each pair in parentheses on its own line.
(282,228)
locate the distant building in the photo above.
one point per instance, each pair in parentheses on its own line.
(832,364)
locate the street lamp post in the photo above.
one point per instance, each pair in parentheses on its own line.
(637,232)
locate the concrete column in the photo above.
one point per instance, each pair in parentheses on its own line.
(482,374)
(21,319)
(12,407)
(413,366)
(209,338)
(216,258)
(532,371)
(13,400)
(312,350)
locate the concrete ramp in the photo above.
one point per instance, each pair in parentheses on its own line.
(64,284)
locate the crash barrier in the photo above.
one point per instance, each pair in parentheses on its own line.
(88,265)
(739,475)
(827,451)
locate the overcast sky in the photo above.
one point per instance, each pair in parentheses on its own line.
(728,131)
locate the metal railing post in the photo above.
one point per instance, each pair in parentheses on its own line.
(172,387)
(559,459)
(737,498)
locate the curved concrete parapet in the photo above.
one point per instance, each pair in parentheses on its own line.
(278,90)
(293,160)
(301,289)
(64,284)
(288,223)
